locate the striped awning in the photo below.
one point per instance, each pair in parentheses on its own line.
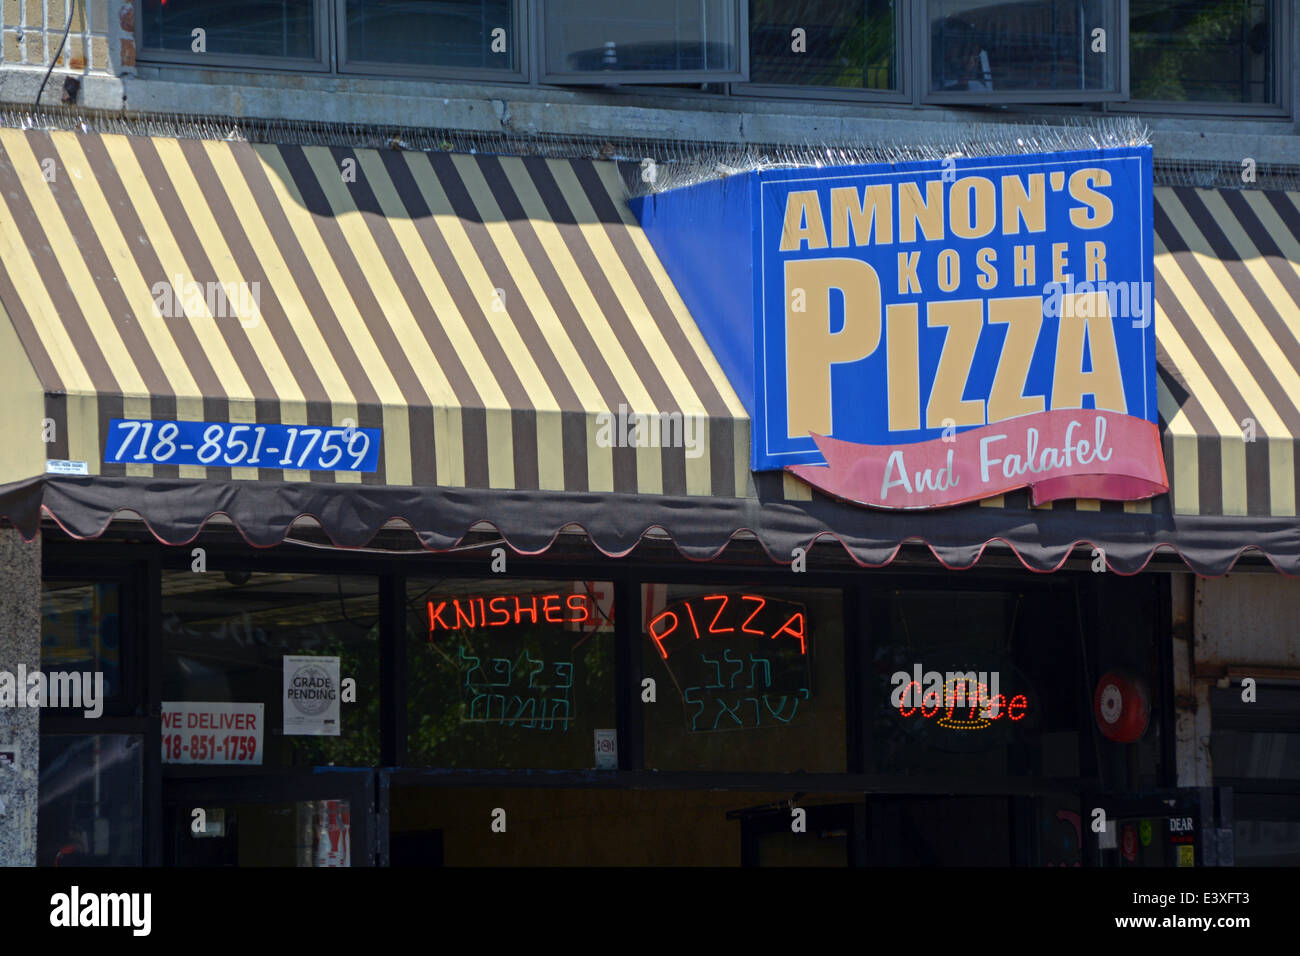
(481,310)
(1228,339)
(488,313)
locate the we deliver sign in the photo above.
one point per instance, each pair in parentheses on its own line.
(214,733)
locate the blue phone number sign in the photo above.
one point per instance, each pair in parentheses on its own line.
(242,445)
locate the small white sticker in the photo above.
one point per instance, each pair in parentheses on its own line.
(57,466)
(606,750)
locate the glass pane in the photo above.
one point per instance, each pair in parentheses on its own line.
(975,685)
(246,27)
(995,46)
(509,673)
(620,35)
(1265,829)
(225,638)
(1263,755)
(91,800)
(746,680)
(297,833)
(81,633)
(432,32)
(1201,50)
(843,43)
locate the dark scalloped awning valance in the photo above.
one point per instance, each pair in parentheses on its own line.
(176,510)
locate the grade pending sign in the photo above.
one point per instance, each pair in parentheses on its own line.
(311,696)
(934,333)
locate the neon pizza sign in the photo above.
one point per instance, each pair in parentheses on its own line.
(740,661)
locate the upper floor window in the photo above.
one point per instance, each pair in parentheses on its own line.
(475,34)
(824,43)
(234,31)
(1043,48)
(619,41)
(1208,51)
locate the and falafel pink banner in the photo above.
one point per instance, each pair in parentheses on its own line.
(1063,453)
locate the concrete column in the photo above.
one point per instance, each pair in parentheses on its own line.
(20,643)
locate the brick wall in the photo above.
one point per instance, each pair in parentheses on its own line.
(101,38)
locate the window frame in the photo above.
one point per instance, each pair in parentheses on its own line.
(904,95)
(547,77)
(517,73)
(323,62)
(1286,72)
(922,48)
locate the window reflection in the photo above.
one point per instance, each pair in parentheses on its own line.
(225,637)
(618,36)
(509,673)
(90,800)
(1201,50)
(281,28)
(982,46)
(473,33)
(830,43)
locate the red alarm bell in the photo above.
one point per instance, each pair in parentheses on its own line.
(1121,707)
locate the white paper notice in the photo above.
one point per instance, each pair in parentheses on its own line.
(311,696)
(211,732)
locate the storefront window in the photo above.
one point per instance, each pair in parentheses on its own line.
(826,43)
(510,674)
(81,632)
(272,28)
(975,685)
(990,46)
(90,800)
(227,644)
(1219,51)
(586,38)
(745,679)
(471,33)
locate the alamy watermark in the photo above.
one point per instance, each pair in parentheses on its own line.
(977,690)
(221,300)
(74,908)
(74,689)
(1124,300)
(657,430)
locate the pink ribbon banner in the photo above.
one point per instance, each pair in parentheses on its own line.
(1064,453)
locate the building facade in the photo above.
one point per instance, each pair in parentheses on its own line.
(426,255)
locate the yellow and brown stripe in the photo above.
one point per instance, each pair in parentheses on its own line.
(1227,294)
(482,310)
